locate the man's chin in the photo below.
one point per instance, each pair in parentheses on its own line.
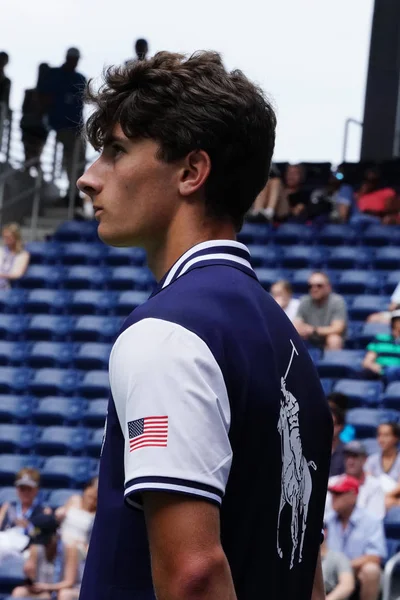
(113,238)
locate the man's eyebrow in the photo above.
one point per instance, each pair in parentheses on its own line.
(112,138)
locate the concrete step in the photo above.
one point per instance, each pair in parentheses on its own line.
(45,222)
(58,212)
(41,233)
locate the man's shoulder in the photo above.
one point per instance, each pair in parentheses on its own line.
(383,337)
(364,520)
(336,299)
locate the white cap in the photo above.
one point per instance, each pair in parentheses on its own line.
(395,314)
(26,480)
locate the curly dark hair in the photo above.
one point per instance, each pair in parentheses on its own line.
(188,104)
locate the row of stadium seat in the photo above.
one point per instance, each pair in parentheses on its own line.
(53,410)
(44,382)
(84,356)
(56,471)
(50,440)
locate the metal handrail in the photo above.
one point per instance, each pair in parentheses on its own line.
(388,575)
(346,135)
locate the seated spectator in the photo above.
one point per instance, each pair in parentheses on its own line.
(334,201)
(371,496)
(20,513)
(337,458)
(359,535)
(268,203)
(387,461)
(14,260)
(341,401)
(383,353)
(51,567)
(337,572)
(374,199)
(282,293)
(33,122)
(385,316)
(77,516)
(322,316)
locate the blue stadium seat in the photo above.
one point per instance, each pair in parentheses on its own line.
(48,301)
(12,327)
(14,379)
(360,393)
(67,471)
(354,281)
(77,231)
(268,276)
(381,235)
(128,300)
(86,277)
(387,258)
(16,408)
(93,302)
(391,397)
(17,437)
(348,257)
(58,498)
(364,420)
(119,257)
(51,354)
(371,445)
(96,413)
(393,547)
(41,276)
(96,329)
(334,235)
(369,331)
(44,253)
(80,253)
(95,443)
(92,356)
(392,523)
(55,382)
(10,464)
(54,410)
(95,384)
(13,353)
(389,415)
(49,327)
(255,233)
(391,282)
(327,385)
(302,256)
(131,278)
(365,305)
(265,256)
(340,363)
(353,332)
(12,300)
(293,233)
(63,440)
(11,573)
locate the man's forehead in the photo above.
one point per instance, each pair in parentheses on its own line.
(115,134)
(318,279)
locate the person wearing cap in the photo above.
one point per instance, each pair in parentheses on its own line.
(371,497)
(383,353)
(62,96)
(51,567)
(356,533)
(19,513)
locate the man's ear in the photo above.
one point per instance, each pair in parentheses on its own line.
(196,168)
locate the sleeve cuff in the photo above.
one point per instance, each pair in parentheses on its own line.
(135,487)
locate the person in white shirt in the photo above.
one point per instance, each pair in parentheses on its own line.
(282,293)
(385,316)
(371,496)
(14,260)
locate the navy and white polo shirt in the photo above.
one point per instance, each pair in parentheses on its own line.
(213,395)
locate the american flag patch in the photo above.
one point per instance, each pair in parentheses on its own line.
(149,431)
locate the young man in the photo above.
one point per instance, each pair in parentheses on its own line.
(218,433)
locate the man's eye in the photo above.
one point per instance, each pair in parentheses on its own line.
(117,149)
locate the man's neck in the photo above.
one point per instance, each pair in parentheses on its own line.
(345,518)
(180,238)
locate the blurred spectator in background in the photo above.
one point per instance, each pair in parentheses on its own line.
(322,315)
(371,496)
(20,513)
(51,568)
(77,516)
(268,203)
(5,82)
(34,125)
(384,317)
(383,353)
(282,293)
(359,535)
(337,458)
(332,202)
(337,571)
(14,260)
(385,465)
(295,195)
(341,401)
(141,49)
(62,96)
(376,199)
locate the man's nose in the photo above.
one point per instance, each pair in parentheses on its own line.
(89,183)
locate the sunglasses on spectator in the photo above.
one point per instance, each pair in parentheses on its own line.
(316,285)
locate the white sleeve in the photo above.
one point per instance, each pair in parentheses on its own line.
(173,408)
(396,295)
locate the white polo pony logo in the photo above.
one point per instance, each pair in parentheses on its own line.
(296,482)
